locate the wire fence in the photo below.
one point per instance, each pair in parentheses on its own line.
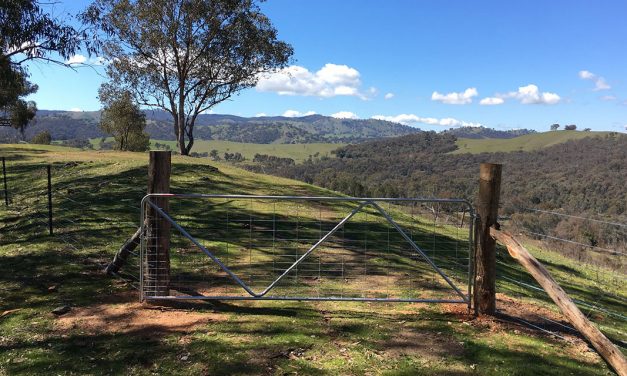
(84,223)
(586,256)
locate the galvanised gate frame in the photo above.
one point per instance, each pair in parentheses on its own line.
(371,207)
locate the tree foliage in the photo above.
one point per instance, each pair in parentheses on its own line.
(186,56)
(123,119)
(28,32)
(42,138)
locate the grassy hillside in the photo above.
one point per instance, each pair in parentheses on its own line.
(529,142)
(108,332)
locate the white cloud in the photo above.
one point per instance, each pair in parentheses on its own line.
(411,119)
(330,81)
(455,98)
(76,59)
(608,98)
(80,59)
(389,96)
(625,127)
(345,115)
(261,114)
(491,101)
(75,109)
(599,82)
(294,113)
(530,94)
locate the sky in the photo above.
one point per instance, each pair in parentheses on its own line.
(430,64)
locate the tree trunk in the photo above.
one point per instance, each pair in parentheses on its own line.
(181,136)
(190,137)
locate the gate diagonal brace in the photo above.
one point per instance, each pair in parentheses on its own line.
(252,293)
(234,277)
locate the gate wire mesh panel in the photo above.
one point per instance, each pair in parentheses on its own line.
(306,248)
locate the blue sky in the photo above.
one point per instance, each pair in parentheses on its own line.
(430,64)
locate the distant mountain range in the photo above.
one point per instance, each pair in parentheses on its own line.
(65,125)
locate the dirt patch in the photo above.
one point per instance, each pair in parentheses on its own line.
(425,344)
(133,317)
(516,316)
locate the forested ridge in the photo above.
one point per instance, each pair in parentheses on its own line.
(66,125)
(483,132)
(582,176)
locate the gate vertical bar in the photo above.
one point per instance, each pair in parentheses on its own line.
(49,170)
(156,278)
(4,178)
(485,265)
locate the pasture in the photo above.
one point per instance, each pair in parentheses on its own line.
(529,142)
(298,152)
(107,331)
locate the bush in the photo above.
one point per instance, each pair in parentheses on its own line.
(42,138)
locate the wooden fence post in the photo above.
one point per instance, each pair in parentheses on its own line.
(157,270)
(485,256)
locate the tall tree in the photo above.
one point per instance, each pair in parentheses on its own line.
(28,32)
(123,119)
(186,56)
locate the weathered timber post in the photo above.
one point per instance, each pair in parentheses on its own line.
(157,268)
(485,256)
(601,343)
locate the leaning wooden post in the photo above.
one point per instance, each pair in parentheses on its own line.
(601,343)
(157,269)
(485,256)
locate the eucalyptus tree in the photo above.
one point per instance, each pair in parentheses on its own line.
(124,120)
(28,32)
(185,56)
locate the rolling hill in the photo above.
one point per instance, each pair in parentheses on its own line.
(64,125)
(528,142)
(487,133)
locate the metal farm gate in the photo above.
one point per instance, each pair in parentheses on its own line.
(240,247)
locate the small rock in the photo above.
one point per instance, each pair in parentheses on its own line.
(184,358)
(52,288)
(62,310)
(473,366)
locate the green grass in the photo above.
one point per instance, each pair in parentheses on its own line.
(96,199)
(298,152)
(527,142)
